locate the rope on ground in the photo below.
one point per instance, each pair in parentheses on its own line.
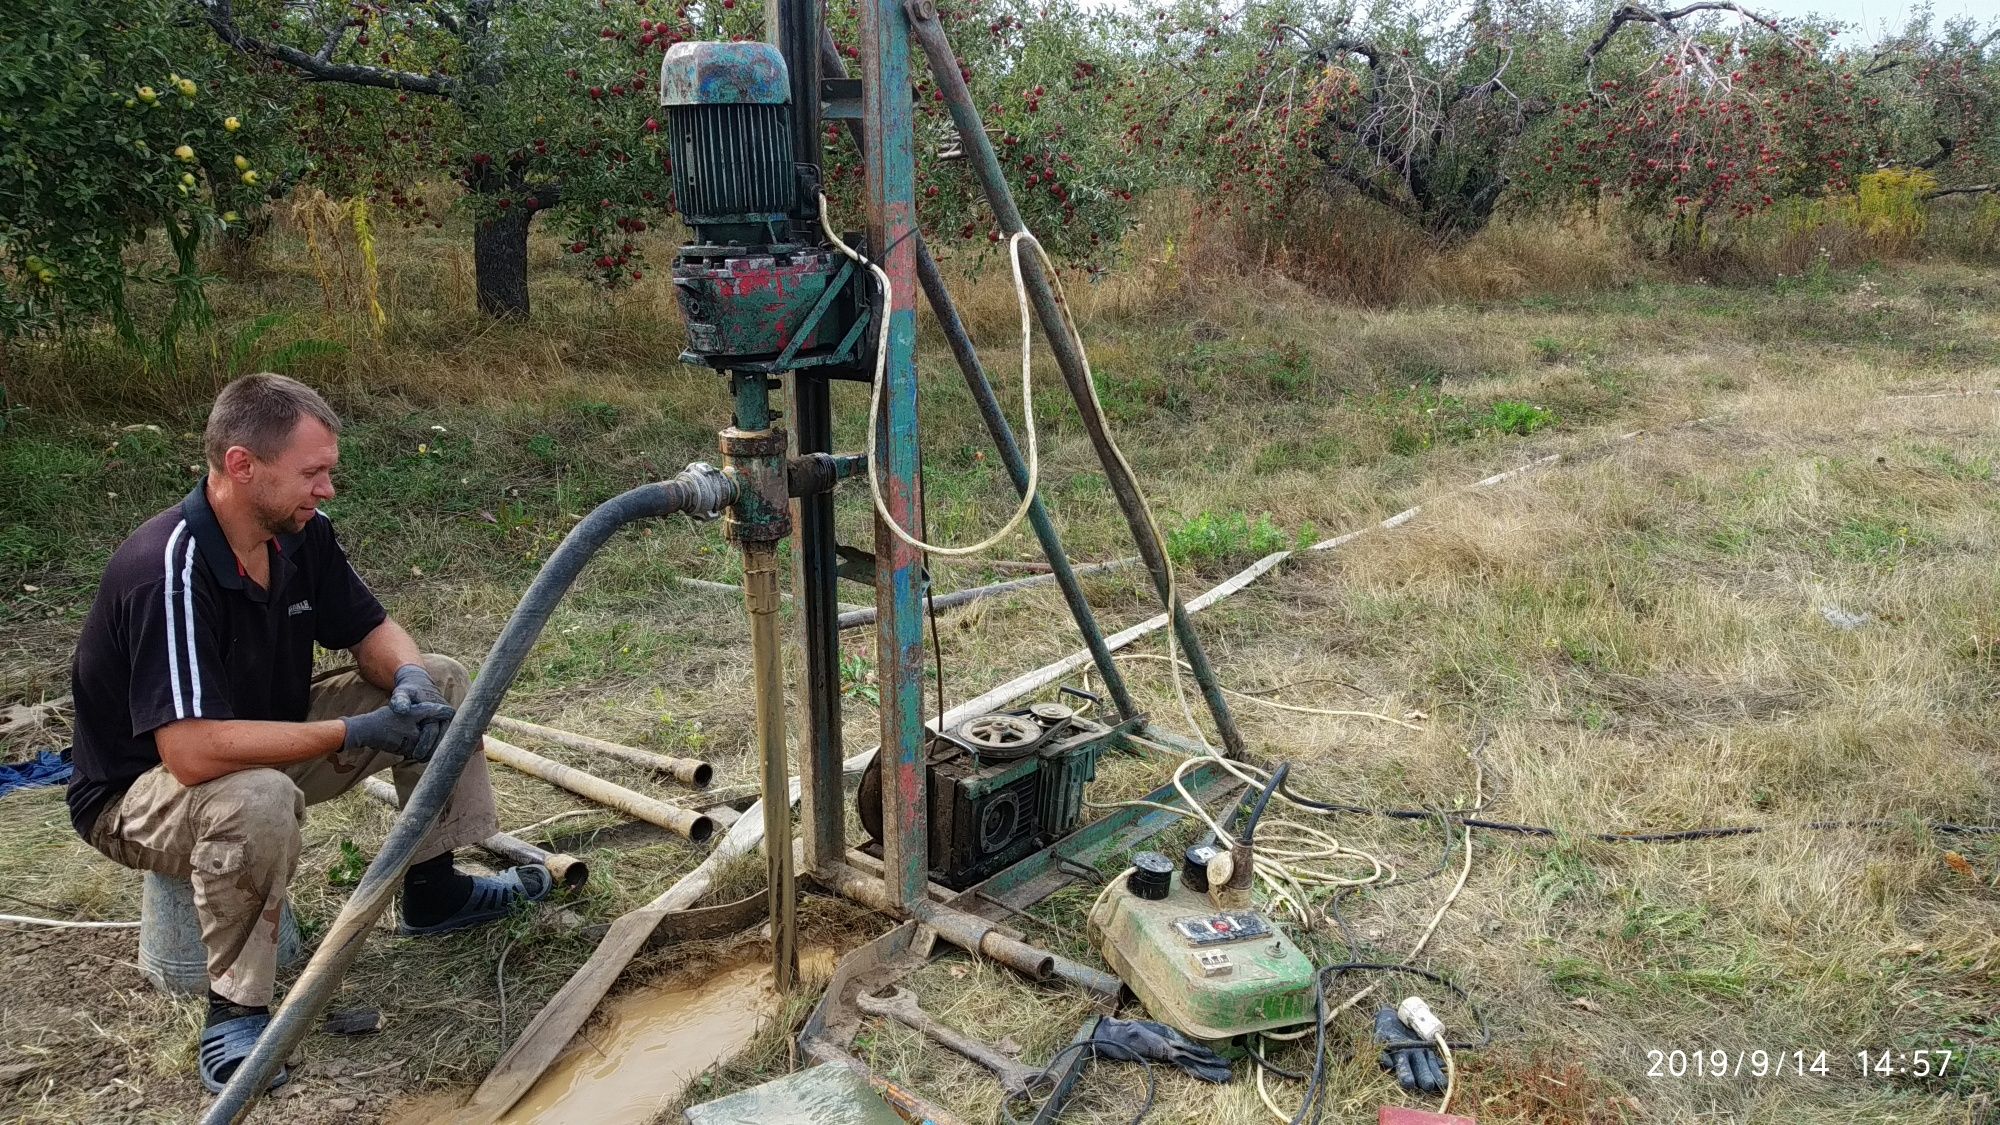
(61,924)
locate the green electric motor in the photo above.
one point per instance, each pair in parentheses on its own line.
(758,288)
(1209,972)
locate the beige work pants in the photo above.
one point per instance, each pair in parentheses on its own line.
(237,837)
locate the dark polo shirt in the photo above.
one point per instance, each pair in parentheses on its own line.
(178,632)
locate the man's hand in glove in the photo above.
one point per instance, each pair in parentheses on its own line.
(1417,1065)
(1131,1040)
(414,686)
(412,734)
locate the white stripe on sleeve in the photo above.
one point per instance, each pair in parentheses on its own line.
(187,604)
(167,595)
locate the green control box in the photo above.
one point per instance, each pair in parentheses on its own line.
(1212,974)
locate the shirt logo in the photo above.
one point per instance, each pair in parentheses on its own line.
(297,608)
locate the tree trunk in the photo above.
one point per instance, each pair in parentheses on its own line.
(500,264)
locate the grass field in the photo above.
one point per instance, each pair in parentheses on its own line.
(1776,606)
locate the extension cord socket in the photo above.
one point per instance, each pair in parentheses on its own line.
(1396,1115)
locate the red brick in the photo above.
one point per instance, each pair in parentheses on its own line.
(1396,1115)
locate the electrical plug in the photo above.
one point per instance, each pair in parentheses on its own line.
(1420,1019)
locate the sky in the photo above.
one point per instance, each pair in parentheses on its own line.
(1873,15)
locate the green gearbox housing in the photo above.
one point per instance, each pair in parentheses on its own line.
(1212,974)
(757,288)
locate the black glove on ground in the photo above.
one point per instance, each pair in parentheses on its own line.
(414,686)
(1131,1040)
(1418,1069)
(412,734)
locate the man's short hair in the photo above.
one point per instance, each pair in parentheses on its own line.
(259,413)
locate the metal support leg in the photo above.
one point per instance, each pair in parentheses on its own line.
(899,643)
(985,164)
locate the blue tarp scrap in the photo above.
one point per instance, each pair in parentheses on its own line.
(49,767)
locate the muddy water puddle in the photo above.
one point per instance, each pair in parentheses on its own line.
(650,1044)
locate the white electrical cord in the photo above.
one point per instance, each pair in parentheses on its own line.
(1272,703)
(880,379)
(1171,599)
(1450,1074)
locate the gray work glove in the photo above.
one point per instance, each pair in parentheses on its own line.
(412,735)
(1418,1067)
(414,686)
(1131,1040)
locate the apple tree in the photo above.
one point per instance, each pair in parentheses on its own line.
(115,120)
(545,108)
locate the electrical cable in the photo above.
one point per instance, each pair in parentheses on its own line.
(1450,1074)
(1677,836)
(1272,703)
(881,378)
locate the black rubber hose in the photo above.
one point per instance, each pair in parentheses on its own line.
(1249,833)
(699,489)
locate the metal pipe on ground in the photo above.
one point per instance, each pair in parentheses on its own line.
(945,310)
(699,488)
(985,164)
(854,619)
(687,771)
(735,591)
(681,822)
(969,932)
(568,870)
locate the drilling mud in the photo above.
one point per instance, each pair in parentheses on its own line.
(623,1069)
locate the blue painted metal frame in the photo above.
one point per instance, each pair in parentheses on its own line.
(890,161)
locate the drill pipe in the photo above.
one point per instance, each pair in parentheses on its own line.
(681,822)
(699,488)
(569,871)
(687,771)
(760,596)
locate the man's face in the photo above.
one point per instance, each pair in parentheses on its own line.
(287,490)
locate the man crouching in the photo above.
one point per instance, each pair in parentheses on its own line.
(202,735)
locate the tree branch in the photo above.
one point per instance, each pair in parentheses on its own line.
(222,20)
(1633,13)
(1968,189)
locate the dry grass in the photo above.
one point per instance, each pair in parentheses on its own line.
(1638,637)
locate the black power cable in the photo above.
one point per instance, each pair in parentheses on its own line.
(1675,837)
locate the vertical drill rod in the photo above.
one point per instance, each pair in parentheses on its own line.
(753,453)
(760,588)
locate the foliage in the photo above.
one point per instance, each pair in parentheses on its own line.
(243,348)
(1209,538)
(1416,108)
(114,119)
(1513,417)
(1729,117)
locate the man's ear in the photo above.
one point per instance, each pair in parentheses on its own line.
(237,464)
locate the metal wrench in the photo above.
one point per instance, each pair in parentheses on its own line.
(901,1006)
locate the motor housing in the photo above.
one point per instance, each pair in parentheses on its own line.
(755,294)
